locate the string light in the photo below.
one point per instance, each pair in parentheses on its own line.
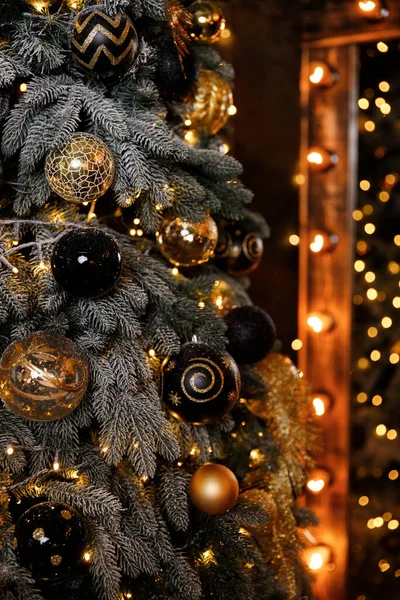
(369,228)
(318,480)
(322,403)
(320,159)
(320,322)
(322,75)
(363,501)
(382,47)
(393,475)
(317,557)
(87,557)
(362,397)
(208,557)
(152,353)
(10,451)
(377,400)
(381,430)
(384,196)
(369,126)
(56,465)
(297,345)
(373,10)
(363,103)
(364,184)
(294,240)
(323,242)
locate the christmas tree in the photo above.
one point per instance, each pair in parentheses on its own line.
(152,440)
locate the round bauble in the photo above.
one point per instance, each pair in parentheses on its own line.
(199,385)
(239,250)
(82,170)
(211,101)
(175,75)
(208,21)
(105,45)
(50,539)
(186,243)
(43,377)
(251,334)
(86,262)
(214,489)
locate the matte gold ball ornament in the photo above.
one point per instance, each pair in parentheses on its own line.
(186,243)
(208,21)
(211,100)
(214,489)
(43,377)
(82,170)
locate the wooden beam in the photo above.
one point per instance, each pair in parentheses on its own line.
(329,119)
(343,23)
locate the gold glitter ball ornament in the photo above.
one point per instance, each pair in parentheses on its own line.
(214,489)
(45,7)
(208,21)
(211,100)
(43,377)
(82,170)
(185,243)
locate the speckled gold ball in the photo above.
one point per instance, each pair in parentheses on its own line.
(43,377)
(214,489)
(186,243)
(211,101)
(82,170)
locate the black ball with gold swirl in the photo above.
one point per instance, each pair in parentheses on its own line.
(105,45)
(239,250)
(199,385)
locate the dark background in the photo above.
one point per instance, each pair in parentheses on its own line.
(266,55)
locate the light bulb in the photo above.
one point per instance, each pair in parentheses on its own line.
(320,159)
(322,241)
(318,480)
(322,75)
(373,10)
(317,557)
(322,403)
(320,322)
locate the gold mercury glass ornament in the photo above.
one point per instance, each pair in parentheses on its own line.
(186,243)
(43,377)
(208,21)
(211,100)
(82,170)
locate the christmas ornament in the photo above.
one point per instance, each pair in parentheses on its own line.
(186,243)
(82,170)
(50,540)
(105,45)
(86,262)
(239,250)
(52,7)
(43,377)
(199,385)
(211,101)
(251,334)
(175,74)
(214,489)
(221,297)
(208,21)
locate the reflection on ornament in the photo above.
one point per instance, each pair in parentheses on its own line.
(211,101)
(43,377)
(103,44)
(199,385)
(239,250)
(208,21)
(50,540)
(214,489)
(82,170)
(322,75)
(186,243)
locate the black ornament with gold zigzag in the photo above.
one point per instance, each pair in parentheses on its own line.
(103,44)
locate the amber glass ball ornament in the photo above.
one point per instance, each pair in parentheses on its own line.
(199,385)
(187,243)
(82,170)
(50,539)
(208,21)
(211,100)
(214,489)
(43,377)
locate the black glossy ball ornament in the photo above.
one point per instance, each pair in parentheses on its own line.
(251,334)
(239,250)
(50,540)
(175,75)
(86,262)
(105,45)
(199,385)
